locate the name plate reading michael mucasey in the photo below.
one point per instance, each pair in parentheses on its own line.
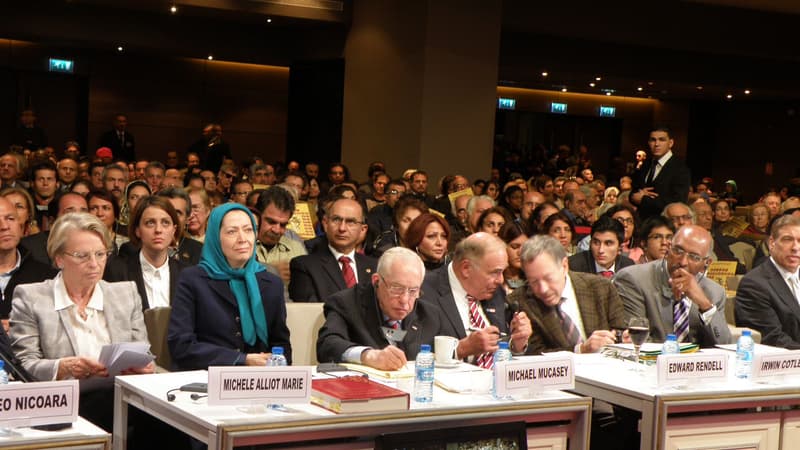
(45,403)
(248,385)
(526,374)
(678,368)
(776,364)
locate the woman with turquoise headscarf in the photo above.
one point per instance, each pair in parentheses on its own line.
(227,310)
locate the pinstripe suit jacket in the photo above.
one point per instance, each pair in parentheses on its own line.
(40,335)
(599,304)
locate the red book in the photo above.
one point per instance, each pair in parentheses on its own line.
(357,395)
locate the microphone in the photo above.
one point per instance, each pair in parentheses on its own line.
(198,396)
(12,363)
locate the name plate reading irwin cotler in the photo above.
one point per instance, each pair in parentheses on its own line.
(45,403)
(678,368)
(247,385)
(522,375)
(776,364)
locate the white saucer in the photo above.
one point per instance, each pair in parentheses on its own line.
(447,365)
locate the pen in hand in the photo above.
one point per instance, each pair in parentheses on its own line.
(502,335)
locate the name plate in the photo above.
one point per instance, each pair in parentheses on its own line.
(525,374)
(42,403)
(244,385)
(776,364)
(676,368)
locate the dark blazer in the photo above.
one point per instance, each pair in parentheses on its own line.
(436,289)
(130,269)
(36,244)
(584,262)
(189,251)
(353,318)
(317,276)
(765,303)
(124,150)
(671,185)
(30,271)
(598,302)
(205,329)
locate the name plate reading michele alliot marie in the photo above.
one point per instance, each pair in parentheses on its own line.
(248,385)
(776,364)
(521,375)
(677,368)
(43,403)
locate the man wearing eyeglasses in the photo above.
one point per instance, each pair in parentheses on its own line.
(469,290)
(674,294)
(225,179)
(382,324)
(331,268)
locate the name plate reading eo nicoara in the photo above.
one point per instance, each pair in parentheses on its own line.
(246,385)
(44,403)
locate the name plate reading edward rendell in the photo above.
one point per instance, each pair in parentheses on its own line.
(525,374)
(44,403)
(776,364)
(674,368)
(247,385)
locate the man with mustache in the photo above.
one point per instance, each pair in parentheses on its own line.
(114,181)
(273,247)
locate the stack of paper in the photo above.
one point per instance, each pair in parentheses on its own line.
(125,355)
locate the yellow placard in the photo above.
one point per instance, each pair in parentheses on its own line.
(454,195)
(720,271)
(301,222)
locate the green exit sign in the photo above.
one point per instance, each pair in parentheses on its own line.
(62,65)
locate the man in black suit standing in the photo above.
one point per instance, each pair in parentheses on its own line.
(119,139)
(604,256)
(331,268)
(663,179)
(767,297)
(361,322)
(469,290)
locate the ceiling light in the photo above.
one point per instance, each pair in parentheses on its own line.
(544,74)
(591,84)
(747,92)
(269,20)
(608,93)
(119,49)
(650,83)
(210,57)
(563,89)
(173,9)
(597,78)
(640,89)
(699,88)
(729,96)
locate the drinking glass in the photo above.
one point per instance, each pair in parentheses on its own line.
(639,330)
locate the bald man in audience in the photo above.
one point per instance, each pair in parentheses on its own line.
(470,292)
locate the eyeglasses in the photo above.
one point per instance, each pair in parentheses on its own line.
(350,222)
(679,252)
(396,290)
(625,220)
(395,192)
(684,218)
(83,257)
(228,175)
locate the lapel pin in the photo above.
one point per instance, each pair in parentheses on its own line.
(369,270)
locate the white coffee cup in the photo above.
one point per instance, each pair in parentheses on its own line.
(445,349)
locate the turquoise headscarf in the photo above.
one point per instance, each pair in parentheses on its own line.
(243,281)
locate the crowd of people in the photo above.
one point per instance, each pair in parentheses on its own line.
(557,261)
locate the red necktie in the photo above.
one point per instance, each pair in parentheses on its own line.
(347,272)
(485,360)
(607,273)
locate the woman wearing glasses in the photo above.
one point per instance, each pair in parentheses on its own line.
(228,310)
(59,326)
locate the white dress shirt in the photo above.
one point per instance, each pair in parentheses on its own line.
(156,282)
(91,334)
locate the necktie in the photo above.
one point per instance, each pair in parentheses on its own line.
(680,316)
(794,285)
(347,272)
(607,273)
(485,360)
(568,326)
(654,167)
(393,324)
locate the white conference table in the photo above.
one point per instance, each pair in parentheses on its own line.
(224,427)
(81,435)
(699,411)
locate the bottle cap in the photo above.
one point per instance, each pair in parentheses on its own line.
(277,350)
(503,345)
(671,337)
(746,333)
(425,348)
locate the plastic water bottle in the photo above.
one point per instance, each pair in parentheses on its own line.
(423,375)
(744,355)
(671,346)
(277,358)
(502,354)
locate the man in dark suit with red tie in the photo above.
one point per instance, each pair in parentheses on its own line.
(604,256)
(336,266)
(663,179)
(382,324)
